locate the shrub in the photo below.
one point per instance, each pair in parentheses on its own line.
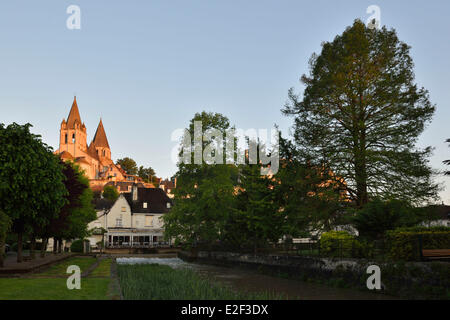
(77,246)
(379,216)
(110,193)
(339,244)
(403,244)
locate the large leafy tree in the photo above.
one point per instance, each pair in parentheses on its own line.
(74,217)
(147,174)
(311,199)
(204,194)
(5,225)
(31,180)
(129,165)
(257,219)
(361,115)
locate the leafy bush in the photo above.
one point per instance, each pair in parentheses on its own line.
(379,216)
(404,243)
(77,246)
(339,243)
(110,193)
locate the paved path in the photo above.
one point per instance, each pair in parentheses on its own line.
(11,265)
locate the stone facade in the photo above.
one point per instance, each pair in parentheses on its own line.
(95,158)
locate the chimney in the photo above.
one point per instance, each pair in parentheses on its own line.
(134,192)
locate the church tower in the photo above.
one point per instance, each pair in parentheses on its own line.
(100,143)
(73,133)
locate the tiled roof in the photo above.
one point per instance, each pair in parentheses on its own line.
(123,185)
(101,204)
(92,151)
(155,198)
(74,115)
(442,211)
(66,155)
(100,139)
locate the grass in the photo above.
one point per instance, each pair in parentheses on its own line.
(51,283)
(60,269)
(103,269)
(160,282)
(52,289)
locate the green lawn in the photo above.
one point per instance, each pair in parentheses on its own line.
(51,283)
(60,269)
(103,269)
(159,282)
(52,289)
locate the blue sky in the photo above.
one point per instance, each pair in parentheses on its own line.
(146,67)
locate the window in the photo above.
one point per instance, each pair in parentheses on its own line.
(144,205)
(65,139)
(149,221)
(168,205)
(118,222)
(124,209)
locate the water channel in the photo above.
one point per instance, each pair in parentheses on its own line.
(244,280)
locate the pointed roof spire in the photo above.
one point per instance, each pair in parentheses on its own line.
(100,139)
(74,114)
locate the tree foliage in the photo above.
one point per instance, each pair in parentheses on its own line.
(110,193)
(129,165)
(361,114)
(447,162)
(204,193)
(147,174)
(379,216)
(31,180)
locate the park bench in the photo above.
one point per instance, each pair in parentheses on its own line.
(433,254)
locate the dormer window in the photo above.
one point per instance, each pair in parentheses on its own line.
(144,205)
(168,205)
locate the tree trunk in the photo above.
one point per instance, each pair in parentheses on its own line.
(33,247)
(59,245)
(55,245)
(44,247)
(19,246)
(2,249)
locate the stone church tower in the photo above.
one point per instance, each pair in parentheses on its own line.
(73,133)
(94,159)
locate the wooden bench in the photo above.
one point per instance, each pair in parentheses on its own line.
(432,254)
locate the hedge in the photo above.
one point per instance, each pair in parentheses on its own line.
(403,244)
(77,246)
(339,244)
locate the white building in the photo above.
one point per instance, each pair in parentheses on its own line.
(133,221)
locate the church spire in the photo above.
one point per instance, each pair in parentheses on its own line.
(100,139)
(74,115)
